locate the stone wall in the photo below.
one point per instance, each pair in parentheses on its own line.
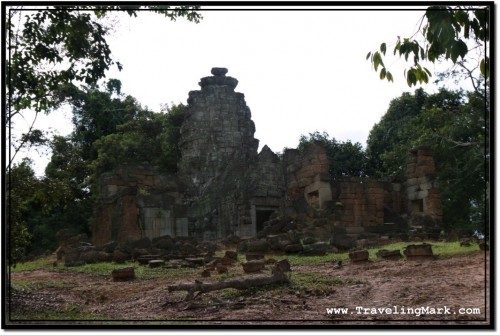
(137,201)
(307,175)
(367,205)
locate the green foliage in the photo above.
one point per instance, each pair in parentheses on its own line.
(54,49)
(455,125)
(20,182)
(70,36)
(151,138)
(97,114)
(387,144)
(345,158)
(109,129)
(446,31)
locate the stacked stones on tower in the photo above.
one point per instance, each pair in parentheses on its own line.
(225,187)
(217,134)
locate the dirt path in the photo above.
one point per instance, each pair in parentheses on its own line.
(380,286)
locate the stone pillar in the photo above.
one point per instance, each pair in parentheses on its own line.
(218,147)
(422,188)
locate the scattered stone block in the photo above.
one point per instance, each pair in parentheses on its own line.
(293,248)
(123,274)
(418,251)
(120,256)
(315,249)
(283,265)
(358,256)
(90,257)
(258,245)
(144,259)
(253,266)
(103,256)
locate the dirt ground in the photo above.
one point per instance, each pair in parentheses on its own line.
(370,291)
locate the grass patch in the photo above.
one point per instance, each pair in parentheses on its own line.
(141,272)
(315,260)
(450,249)
(440,249)
(37,264)
(318,284)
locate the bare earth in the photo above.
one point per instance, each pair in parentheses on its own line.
(458,282)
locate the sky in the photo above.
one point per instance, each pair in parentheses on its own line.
(300,71)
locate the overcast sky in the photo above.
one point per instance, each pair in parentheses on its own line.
(300,71)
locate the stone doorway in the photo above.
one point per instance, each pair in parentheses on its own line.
(261,216)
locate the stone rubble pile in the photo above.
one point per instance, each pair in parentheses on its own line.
(75,250)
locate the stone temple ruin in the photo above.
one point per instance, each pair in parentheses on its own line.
(226,188)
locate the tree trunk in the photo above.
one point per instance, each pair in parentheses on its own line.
(239,283)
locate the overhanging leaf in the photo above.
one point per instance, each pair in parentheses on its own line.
(383,48)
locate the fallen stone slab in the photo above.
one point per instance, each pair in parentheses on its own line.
(315,249)
(123,274)
(144,259)
(358,256)
(293,248)
(418,251)
(253,266)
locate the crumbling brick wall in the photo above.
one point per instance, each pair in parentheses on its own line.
(125,193)
(307,175)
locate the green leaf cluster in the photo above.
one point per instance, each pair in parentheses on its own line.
(346,159)
(455,126)
(152,138)
(446,32)
(53,50)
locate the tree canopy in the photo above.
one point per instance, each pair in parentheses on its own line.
(346,159)
(454,124)
(53,50)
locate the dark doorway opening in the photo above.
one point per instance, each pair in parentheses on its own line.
(417,206)
(261,216)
